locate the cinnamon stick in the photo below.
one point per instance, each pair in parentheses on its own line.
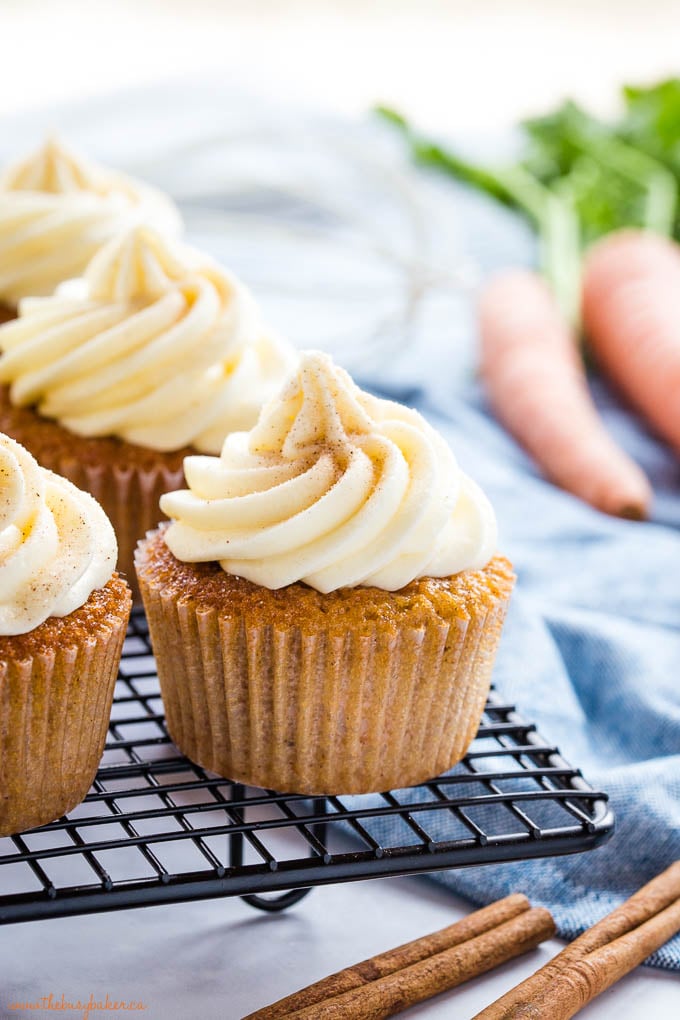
(598,958)
(396,959)
(404,987)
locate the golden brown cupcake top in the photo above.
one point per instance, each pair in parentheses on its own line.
(101,612)
(298,605)
(55,444)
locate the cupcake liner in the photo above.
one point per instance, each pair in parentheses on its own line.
(318,712)
(54,713)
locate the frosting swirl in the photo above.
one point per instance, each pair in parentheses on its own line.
(335,488)
(57,209)
(155,344)
(56,543)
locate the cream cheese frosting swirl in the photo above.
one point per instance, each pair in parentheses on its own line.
(156,344)
(335,488)
(57,209)
(56,543)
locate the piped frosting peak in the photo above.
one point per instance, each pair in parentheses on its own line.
(333,487)
(54,169)
(318,407)
(138,266)
(58,208)
(156,345)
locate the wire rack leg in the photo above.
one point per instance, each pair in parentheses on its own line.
(273,904)
(276,903)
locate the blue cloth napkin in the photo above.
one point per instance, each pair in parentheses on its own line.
(591,647)
(591,652)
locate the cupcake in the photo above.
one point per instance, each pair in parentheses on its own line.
(63,617)
(326,603)
(155,353)
(57,209)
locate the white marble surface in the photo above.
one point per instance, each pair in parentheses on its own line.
(221,959)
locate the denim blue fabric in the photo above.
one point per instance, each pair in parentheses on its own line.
(591,652)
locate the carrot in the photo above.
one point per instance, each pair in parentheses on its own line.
(537,386)
(631,311)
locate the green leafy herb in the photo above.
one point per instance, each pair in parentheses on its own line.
(614,184)
(579,178)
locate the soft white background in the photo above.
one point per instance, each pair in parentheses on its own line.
(451,63)
(468,65)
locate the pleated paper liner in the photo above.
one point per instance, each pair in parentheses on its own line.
(313,708)
(126,480)
(56,691)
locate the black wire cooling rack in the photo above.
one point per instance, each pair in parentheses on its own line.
(155,828)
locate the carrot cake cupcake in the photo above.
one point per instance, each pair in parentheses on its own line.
(63,617)
(57,209)
(157,352)
(326,604)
